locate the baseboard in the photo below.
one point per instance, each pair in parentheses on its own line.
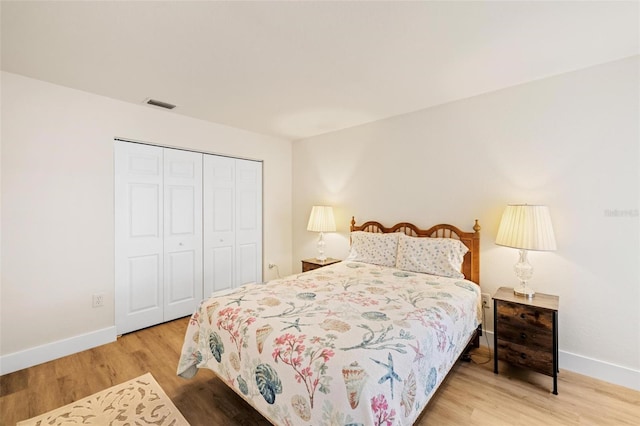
(44,353)
(601,370)
(597,369)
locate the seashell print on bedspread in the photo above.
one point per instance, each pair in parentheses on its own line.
(350,343)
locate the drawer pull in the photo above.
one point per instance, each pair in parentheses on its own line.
(523,336)
(523,356)
(523,316)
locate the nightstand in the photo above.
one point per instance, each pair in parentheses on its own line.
(311,264)
(525,332)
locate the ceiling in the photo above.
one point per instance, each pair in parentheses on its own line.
(299,69)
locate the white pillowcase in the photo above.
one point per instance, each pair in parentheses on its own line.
(375,248)
(435,256)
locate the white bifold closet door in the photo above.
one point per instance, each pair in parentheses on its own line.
(232,223)
(158,227)
(182,233)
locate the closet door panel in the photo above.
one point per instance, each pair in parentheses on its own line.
(248,222)
(247,264)
(182,232)
(144,199)
(181,273)
(222,209)
(219,223)
(139,236)
(145,292)
(221,268)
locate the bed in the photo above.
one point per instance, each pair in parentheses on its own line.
(366,341)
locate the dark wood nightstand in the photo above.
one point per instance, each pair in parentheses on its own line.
(525,332)
(311,264)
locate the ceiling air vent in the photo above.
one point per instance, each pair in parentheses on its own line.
(160,104)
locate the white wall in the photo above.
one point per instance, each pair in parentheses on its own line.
(570,141)
(57,208)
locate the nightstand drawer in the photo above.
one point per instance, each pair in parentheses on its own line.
(524,317)
(523,356)
(535,338)
(306,267)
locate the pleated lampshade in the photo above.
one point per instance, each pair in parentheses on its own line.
(321,219)
(526,227)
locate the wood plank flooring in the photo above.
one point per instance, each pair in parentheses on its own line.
(471,394)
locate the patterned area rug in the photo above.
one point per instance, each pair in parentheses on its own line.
(140,401)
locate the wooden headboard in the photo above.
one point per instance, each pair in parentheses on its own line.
(471,263)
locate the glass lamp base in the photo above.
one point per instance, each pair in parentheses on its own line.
(321,256)
(524,272)
(524,291)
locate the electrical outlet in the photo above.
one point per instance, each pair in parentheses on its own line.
(98,300)
(486,300)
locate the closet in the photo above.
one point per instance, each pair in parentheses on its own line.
(187,225)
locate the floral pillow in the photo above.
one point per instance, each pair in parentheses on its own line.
(375,248)
(435,256)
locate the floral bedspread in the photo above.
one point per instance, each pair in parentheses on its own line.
(346,344)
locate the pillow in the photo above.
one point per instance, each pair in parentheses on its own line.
(435,256)
(375,248)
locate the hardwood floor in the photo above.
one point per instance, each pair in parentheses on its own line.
(471,394)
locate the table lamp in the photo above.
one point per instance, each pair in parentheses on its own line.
(321,220)
(526,228)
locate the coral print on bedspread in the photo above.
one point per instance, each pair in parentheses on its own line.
(347,344)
